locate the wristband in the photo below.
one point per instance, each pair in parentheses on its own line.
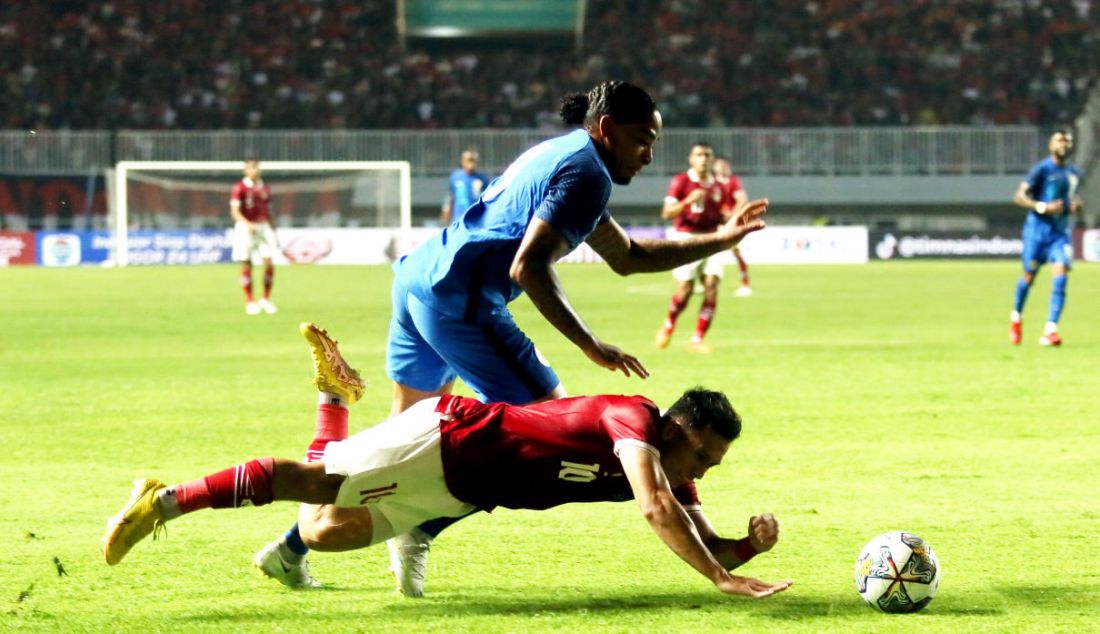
(744,550)
(1040,208)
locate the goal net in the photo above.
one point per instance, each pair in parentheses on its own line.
(194,195)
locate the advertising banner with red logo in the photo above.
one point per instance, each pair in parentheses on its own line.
(347,246)
(17,247)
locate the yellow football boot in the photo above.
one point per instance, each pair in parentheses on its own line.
(330,372)
(141,515)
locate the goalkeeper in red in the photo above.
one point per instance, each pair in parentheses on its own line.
(253,233)
(448,456)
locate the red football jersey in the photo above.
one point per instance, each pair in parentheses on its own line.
(701,217)
(254,198)
(550,453)
(732,185)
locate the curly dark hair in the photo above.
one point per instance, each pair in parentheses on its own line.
(623,101)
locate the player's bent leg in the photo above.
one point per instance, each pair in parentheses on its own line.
(339,384)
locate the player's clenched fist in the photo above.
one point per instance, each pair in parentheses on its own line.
(763,532)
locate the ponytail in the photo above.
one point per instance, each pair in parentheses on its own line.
(574,108)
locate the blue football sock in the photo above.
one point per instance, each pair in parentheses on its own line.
(294,541)
(434,527)
(1058,297)
(1022,287)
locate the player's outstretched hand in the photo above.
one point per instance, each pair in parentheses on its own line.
(608,356)
(746,220)
(763,532)
(749,587)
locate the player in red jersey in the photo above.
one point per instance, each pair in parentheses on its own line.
(449,456)
(253,232)
(736,197)
(696,204)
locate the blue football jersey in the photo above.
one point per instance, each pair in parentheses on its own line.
(465,190)
(1049,181)
(463,271)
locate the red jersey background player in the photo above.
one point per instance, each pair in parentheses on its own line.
(736,197)
(696,203)
(253,232)
(450,455)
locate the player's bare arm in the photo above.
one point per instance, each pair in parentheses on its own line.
(671,209)
(533,270)
(626,255)
(1023,199)
(676,529)
(1077,205)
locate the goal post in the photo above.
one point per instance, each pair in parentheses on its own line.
(167,195)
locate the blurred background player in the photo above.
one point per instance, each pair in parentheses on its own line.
(465,187)
(253,232)
(448,456)
(696,204)
(1050,194)
(450,296)
(736,197)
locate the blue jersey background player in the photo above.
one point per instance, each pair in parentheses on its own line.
(1050,193)
(464,188)
(450,296)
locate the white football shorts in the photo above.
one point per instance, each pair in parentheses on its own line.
(395,469)
(261,241)
(709,266)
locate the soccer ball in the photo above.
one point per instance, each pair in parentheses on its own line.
(897,572)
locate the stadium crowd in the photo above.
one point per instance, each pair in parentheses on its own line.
(194,64)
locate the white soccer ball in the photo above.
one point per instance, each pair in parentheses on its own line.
(897,572)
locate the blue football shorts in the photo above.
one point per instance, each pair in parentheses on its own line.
(1055,248)
(428,349)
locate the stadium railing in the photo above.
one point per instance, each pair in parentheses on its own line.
(946,150)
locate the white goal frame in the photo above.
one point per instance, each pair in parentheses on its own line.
(121,210)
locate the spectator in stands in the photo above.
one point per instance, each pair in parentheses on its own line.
(307,64)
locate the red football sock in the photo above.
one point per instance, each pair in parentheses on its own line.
(246,281)
(249,483)
(675,307)
(706,315)
(332,425)
(269,280)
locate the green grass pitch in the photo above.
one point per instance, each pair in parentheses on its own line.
(875,398)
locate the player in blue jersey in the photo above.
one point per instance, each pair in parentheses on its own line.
(465,187)
(450,296)
(1050,194)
